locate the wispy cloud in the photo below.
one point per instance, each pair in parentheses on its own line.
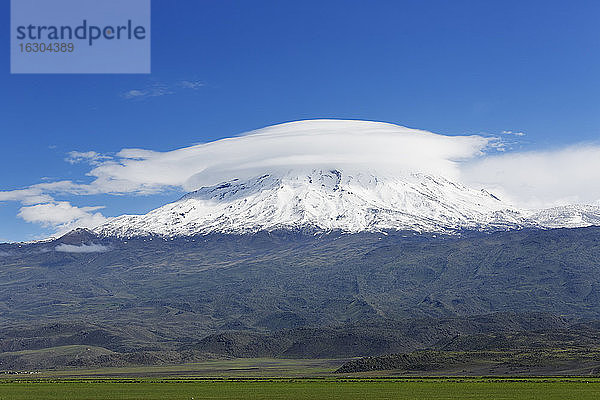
(160,89)
(195,85)
(28,196)
(41,192)
(154,90)
(513,133)
(134,93)
(90,157)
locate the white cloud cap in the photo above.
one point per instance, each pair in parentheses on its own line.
(361,145)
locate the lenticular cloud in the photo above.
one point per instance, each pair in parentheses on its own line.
(533,180)
(354,145)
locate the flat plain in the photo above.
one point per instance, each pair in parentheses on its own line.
(278,379)
(294,388)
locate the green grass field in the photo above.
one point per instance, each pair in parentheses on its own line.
(437,388)
(288,379)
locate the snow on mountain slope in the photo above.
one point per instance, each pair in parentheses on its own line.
(572,216)
(324,200)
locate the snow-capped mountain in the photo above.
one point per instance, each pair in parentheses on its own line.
(573,216)
(324,175)
(325,200)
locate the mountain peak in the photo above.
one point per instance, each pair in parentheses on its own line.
(325,200)
(77,236)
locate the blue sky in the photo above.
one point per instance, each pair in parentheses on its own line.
(220,68)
